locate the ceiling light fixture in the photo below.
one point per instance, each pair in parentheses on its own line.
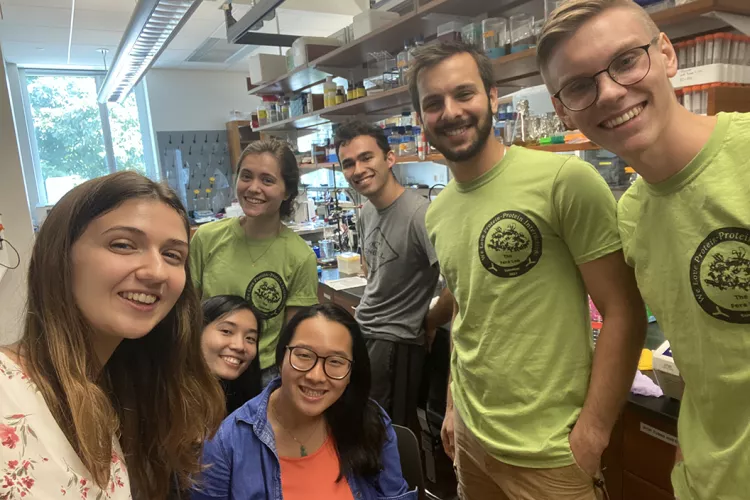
(153,25)
(70,33)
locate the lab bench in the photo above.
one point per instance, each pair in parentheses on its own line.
(641,453)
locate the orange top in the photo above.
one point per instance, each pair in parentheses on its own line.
(314,477)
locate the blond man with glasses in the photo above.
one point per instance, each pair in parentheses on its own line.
(684,224)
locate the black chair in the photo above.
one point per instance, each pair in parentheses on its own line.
(411,459)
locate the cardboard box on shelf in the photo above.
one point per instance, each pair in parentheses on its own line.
(667,373)
(266,67)
(309,48)
(370,20)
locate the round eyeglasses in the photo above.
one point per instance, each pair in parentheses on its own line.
(303,359)
(628,68)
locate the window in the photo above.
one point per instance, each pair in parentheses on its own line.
(74,138)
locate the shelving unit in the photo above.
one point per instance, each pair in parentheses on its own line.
(514,67)
(511,72)
(239,135)
(728,99)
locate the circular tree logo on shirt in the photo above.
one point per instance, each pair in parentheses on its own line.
(510,244)
(720,274)
(267,293)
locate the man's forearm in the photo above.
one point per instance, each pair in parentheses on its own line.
(442,312)
(615,360)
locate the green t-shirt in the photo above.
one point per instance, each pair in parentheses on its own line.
(688,239)
(223,261)
(509,244)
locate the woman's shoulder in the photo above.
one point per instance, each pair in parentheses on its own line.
(295,244)
(217,228)
(35,454)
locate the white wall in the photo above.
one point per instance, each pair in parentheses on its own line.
(16,218)
(195,100)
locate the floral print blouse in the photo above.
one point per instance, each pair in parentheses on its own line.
(36,459)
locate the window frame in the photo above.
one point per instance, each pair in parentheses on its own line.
(144,119)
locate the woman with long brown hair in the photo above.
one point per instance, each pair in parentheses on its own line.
(107,393)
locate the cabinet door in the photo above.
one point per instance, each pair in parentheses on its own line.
(635,488)
(325,293)
(347,302)
(649,446)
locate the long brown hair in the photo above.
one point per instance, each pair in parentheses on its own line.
(155,393)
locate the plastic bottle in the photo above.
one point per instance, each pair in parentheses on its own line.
(418,42)
(421,143)
(708,57)
(340,96)
(409,144)
(402,63)
(691,54)
(350,91)
(360,90)
(329,92)
(285,109)
(700,43)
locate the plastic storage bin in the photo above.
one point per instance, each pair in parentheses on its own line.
(348,263)
(450,31)
(521,32)
(494,34)
(472,34)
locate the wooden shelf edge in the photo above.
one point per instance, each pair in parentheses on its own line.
(696,8)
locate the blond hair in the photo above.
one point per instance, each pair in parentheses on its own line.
(564,21)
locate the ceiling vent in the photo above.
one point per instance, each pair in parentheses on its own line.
(219,51)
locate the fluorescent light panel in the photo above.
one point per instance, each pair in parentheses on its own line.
(153,25)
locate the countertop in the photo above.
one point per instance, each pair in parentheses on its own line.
(664,406)
(327,275)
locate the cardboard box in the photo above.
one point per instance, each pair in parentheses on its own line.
(667,373)
(266,67)
(309,48)
(370,20)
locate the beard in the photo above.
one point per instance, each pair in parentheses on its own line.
(484,129)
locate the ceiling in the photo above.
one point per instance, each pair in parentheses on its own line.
(35,33)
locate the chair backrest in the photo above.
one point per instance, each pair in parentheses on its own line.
(411,459)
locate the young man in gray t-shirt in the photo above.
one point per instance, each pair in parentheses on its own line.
(401,267)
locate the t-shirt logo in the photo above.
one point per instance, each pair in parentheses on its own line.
(267,293)
(378,252)
(720,274)
(510,244)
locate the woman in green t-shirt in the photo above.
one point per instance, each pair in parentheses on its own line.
(256,256)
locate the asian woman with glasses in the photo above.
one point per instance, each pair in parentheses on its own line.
(313,433)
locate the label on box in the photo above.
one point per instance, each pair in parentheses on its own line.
(659,434)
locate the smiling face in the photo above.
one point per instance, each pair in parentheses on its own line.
(313,392)
(625,119)
(229,344)
(129,270)
(365,166)
(455,109)
(260,186)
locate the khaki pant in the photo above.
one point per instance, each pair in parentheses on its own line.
(482,477)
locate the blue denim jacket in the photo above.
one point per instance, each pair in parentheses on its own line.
(242,463)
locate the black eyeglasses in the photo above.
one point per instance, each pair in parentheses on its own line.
(303,359)
(628,68)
